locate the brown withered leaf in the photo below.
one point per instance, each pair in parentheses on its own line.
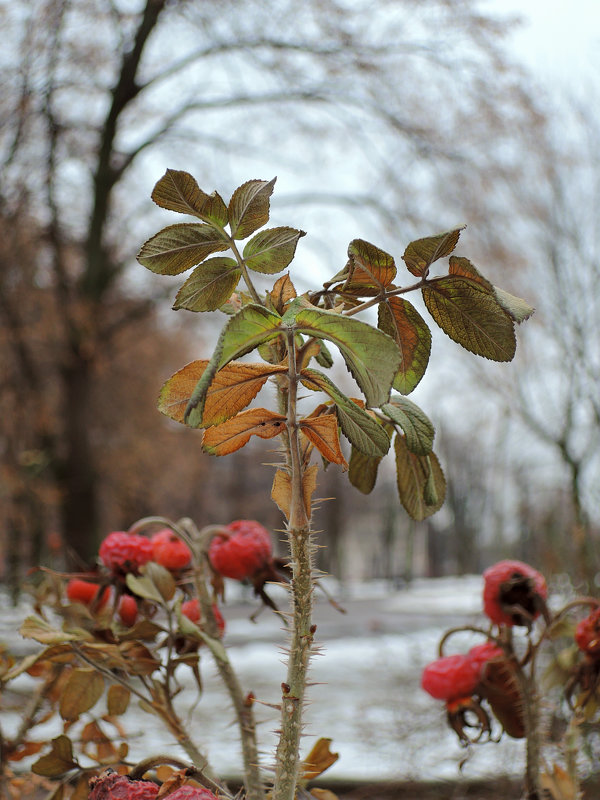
(117,700)
(318,760)
(232,388)
(83,690)
(323,433)
(559,785)
(233,434)
(323,794)
(281,492)
(282,292)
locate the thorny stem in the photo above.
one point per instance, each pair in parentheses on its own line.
(302,631)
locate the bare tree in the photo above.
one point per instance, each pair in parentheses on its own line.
(396,102)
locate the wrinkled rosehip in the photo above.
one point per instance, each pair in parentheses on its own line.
(123,552)
(587,633)
(169,551)
(450,678)
(513,593)
(482,653)
(241,550)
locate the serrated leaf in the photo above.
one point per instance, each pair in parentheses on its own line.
(414,422)
(362,471)
(232,389)
(420,254)
(368,265)
(357,425)
(249,207)
(178,191)
(463,268)
(517,309)
(282,292)
(472,316)
(143,586)
(323,433)
(272,250)
(229,436)
(400,320)
(412,474)
(36,628)
(372,357)
(59,761)
(246,330)
(82,691)
(180,247)
(209,286)
(117,700)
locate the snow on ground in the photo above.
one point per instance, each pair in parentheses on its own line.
(366,695)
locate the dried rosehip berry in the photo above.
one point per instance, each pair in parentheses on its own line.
(587,633)
(169,551)
(513,593)
(111,786)
(128,610)
(191,609)
(123,552)
(482,653)
(87,593)
(191,793)
(450,678)
(241,550)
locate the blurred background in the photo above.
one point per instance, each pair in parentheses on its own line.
(385,120)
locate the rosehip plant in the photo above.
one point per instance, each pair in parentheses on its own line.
(314,422)
(495,687)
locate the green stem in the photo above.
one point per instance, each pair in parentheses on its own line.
(302,629)
(244,270)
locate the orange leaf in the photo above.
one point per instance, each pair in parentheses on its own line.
(233,434)
(233,387)
(282,292)
(323,433)
(318,760)
(281,493)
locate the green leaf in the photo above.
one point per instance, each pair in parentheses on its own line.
(179,247)
(209,286)
(82,691)
(400,320)
(420,254)
(178,191)
(371,356)
(414,422)
(517,309)
(420,480)
(143,586)
(362,471)
(472,316)
(161,578)
(188,628)
(249,207)
(272,250)
(59,761)
(324,357)
(251,326)
(359,427)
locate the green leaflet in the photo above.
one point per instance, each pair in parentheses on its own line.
(371,356)
(249,207)
(178,248)
(362,471)
(361,430)
(401,320)
(472,316)
(414,422)
(420,254)
(272,250)
(178,191)
(209,286)
(420,480)
(250,327)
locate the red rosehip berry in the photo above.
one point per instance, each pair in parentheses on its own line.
(169,551)
(191,609)
(513,593)
(241,550)
(128,610)
(587,633)
(86,593)
(482,653)
(191,793)
(123,552)
(111,786)
(450,678)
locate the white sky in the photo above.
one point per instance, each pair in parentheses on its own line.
(559,39)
